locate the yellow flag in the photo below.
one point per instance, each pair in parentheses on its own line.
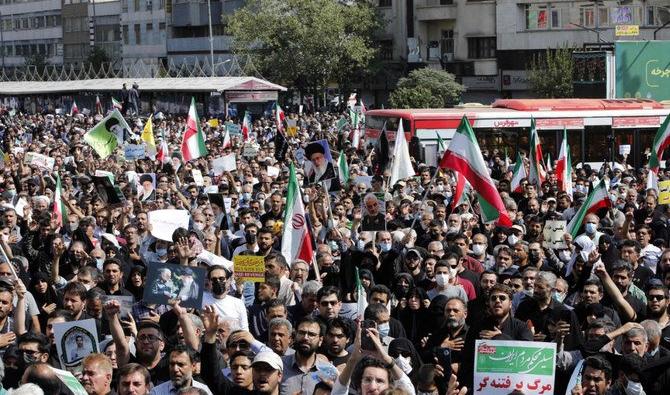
(148,137)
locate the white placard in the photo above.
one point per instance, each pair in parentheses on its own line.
(41,161)
(273,171)
(20,205)
(197,177)
(224,163)
(553,234)
(215,260)
(624,149)
(165,222)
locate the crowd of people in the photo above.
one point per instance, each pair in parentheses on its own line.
(436,278)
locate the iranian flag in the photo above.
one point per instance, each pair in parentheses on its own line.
(98,105)
(537,174)
(246,125)
(518,174)
(563,167)
(279,117)
(465,156)
(60,211)
(74,110)
(661,143)
(462,190)
(361,297)
(227,143)
(163,154)
(193,141)
(116,104)
(597,199)
(343,168)
(296,242)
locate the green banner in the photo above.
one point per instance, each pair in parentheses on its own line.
(643,69)
(109,133)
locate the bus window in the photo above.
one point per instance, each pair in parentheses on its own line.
(575,143)
(377,122)
(498,139)
(549,144)
(645,142)
(597,143)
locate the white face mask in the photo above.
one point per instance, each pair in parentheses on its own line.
(512,240)
(453,272)
(632,388)
(404,363)
(479,249)
(442,279)
(199,225)
(565,255)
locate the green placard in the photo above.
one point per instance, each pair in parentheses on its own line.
(517,359)
(643,69)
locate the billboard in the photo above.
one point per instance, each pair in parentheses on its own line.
(643,69)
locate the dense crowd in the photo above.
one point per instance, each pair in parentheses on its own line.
(435,280)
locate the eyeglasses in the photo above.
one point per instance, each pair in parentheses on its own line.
(326,303)
(656,297)
(29,352)
(501,298)
(148,338)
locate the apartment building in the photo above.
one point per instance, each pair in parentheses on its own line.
(144,32)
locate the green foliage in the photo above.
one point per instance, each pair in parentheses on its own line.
(551,73)
(36,62)
(98,57)
(306,43)
(426,88)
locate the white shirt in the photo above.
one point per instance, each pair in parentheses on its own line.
(167,388)
(229,308)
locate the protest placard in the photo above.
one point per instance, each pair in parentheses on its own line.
(165,222)
(42,162)
(273,171)
(197,177)
(134,151)
(109,133)
(553,234)
(214,260)
(664,192)
(233,129)
(105,173)
(249,268)
(250,150)
(624,149)
(213,123)
(224,163)
(75,340)
(291,127)
(70,381)
(170,283)
(504,366)
(125,303)
(108,192)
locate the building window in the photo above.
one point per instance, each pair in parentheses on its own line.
(386,49)
(447,42)
(556,18)
(446,2)
(150,27)
(536,17)
(138,34)
(125,34)
(481,47)
(161,26)
(587,16)
(137,5)
(149,5)
(385,3)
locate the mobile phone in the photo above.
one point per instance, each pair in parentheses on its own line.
(366,342)
(565,316)
(443,355)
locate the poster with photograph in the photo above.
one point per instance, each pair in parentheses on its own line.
(125,303)
(373,208)
(169,283)
(146,188)
(320,167)
(108,192)
(75,340)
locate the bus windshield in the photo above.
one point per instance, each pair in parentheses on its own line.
(377,122)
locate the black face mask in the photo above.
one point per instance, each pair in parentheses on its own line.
(219,287)
(250,238)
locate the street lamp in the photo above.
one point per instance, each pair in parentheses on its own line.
(211,37)
(219,64)
(2,41)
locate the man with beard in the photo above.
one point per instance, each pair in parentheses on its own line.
(96,374)
(547,314)
(451,335)
(596,377)
(622,293)
(592,293)
(321,168)
(182,365)
(297,377)
(308,304)
(630,252)
(266,242)
(228,307)
(499,324)
(374,219)
(338,335)
(478,307)
(657,309)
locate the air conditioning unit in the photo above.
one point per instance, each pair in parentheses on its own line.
(447,57)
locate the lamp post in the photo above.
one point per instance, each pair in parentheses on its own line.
(211,37)
(2,41)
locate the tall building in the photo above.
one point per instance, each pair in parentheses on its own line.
(90,24)
(144,32)
(28,29)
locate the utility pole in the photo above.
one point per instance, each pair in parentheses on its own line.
(2,41)
(211,38)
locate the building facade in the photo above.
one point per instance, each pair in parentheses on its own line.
(144,31)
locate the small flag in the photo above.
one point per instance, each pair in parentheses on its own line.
(60,211)
(74,110)
(563,168)
(98,105)
(116,104)
(441,145)
(598,198)
(463,188)
(652,181)
(661,143)
(246,126)
(148,137)
(227,142)
(343,168)
(163,154)
(518,174)
(279,117)
(193,140)
(549,167)
(401,167)
(537,174)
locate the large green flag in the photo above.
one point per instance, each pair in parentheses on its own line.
(108,134)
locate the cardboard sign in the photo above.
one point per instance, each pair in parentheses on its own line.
(292,127)
(224,163)
(234,129)
(503,366)
(108,192)
(249,268)
(624,149)
(197,177)
(75,340)
(213,123)
(41,161)
(553,234)
(165,222)
(168,283)
(664,192)
(134,151)
(273,171)
(70,381)
(250,150)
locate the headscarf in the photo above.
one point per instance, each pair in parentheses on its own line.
(404,347)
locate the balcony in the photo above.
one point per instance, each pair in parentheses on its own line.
(435,10)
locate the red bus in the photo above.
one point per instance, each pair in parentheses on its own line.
(597,128)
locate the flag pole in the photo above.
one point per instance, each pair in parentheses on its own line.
(425,194)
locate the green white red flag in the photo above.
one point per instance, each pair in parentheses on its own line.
(116,104)
(279,117)
(537,174)
(343,168)
(463,188)
(518,174)
(401,167)
(564,167)
(661,143)
(361,297)
(60,210)
(246,126)
(465,156)
(296,242)
(598,198)
(193,140)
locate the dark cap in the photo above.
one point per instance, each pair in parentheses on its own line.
(314,148)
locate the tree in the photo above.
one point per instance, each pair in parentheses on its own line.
(306,43)
(426,88)
(98,58)
(551,73)
(36,63)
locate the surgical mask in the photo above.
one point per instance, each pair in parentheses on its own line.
(404,363)
(384,329)
(453,272)
(246,196)
(29,359)
(580,188)
(590,228)
(360,244)
(633,388)
(565,255)
(199,225)
(99,262)
(479,249)
(512,240)
(333,246)
(11,192)
(161,251)
(74,226)
(218,287)
(385,247)
(440,188)
(442,280)
(557,296)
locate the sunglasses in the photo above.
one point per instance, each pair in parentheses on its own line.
(656,297)
(494,298)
